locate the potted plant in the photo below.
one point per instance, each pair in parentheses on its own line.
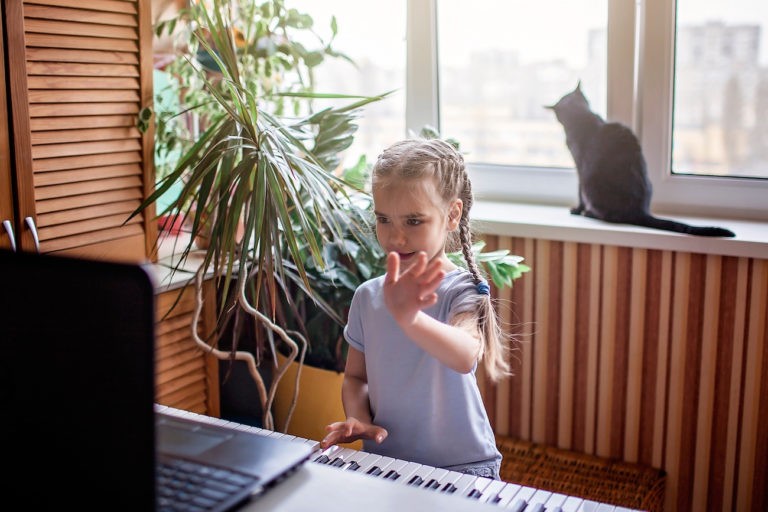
(263,159)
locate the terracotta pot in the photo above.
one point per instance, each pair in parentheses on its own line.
(318,404)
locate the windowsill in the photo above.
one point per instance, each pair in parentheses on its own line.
(544,222)
(557,223)
(168,274)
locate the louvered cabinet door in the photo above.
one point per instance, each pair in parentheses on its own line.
(186,377)
(7,212)
(79,73)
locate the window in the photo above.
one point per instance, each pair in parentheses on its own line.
(379,52)
(690,77)
(497,77)
(721,89)
(690,176)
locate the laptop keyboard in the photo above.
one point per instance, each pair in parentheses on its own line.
(192,487)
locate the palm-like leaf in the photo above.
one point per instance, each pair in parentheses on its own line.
(270,174)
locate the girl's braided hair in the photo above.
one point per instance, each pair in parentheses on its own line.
(437,159)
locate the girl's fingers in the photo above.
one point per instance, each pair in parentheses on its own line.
(378,434)
(393,268)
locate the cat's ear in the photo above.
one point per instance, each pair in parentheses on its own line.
(549,107)
(578,85)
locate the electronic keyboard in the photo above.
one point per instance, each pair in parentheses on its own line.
(505,495)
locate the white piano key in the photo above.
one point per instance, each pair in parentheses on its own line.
(324,456)
(476,488)
(344,456)
(555,502)
(379,468)
(491,491)
(520,499)
(435,480)
(418,477)
(407,471)
(572,504)
(537,501)
(399,469)
(449,482)
(466,483)
(507,493)
(605,507)
(588,506)
(362,464)
(392,471)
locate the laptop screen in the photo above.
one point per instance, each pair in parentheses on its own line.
(77,381)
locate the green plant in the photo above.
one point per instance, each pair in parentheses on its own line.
(255,164)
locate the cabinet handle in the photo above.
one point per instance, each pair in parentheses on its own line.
(9,229)
(31,225)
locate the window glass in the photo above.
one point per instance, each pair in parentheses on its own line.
(501,61)
(375,41)
(720,120)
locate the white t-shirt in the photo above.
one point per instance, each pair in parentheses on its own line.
(434,415)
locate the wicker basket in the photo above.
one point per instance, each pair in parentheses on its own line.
(590,477)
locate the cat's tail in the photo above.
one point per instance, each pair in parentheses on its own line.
(681,227)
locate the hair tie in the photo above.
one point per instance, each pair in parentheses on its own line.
(483,288)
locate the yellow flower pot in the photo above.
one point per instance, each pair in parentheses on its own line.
(318,403)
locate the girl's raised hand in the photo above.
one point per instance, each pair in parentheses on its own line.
(351,430)
(408,293)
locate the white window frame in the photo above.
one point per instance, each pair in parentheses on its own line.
(640,61)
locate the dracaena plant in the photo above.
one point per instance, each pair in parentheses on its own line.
(256,181)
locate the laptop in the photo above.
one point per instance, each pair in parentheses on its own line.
(77,391)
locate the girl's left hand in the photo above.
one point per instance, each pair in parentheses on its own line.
(408,293)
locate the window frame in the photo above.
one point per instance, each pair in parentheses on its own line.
(640,39)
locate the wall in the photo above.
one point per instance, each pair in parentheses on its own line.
(645,355)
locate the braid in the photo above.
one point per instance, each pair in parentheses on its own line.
(438,160)
(465,235)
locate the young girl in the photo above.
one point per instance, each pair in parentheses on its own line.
(417,333)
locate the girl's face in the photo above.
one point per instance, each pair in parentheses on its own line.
(411,217)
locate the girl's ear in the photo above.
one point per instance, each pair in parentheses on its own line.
(454,214)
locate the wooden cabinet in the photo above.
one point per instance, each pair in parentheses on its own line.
(77,74)
(73,164)
(7,211)
(185,376)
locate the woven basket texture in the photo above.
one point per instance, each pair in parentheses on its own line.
(634,486)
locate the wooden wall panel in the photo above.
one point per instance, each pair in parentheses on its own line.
(649,356)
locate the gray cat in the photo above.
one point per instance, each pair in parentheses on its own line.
(613,179)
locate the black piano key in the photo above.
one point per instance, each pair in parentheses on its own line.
(519,505)
(375,471)
(432,484)
(555,509)
(392,475)
(338,462)
(538,507)
(474,494)
(496,499)
(416,480)
(448,488)
(353,466)
(323,459)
